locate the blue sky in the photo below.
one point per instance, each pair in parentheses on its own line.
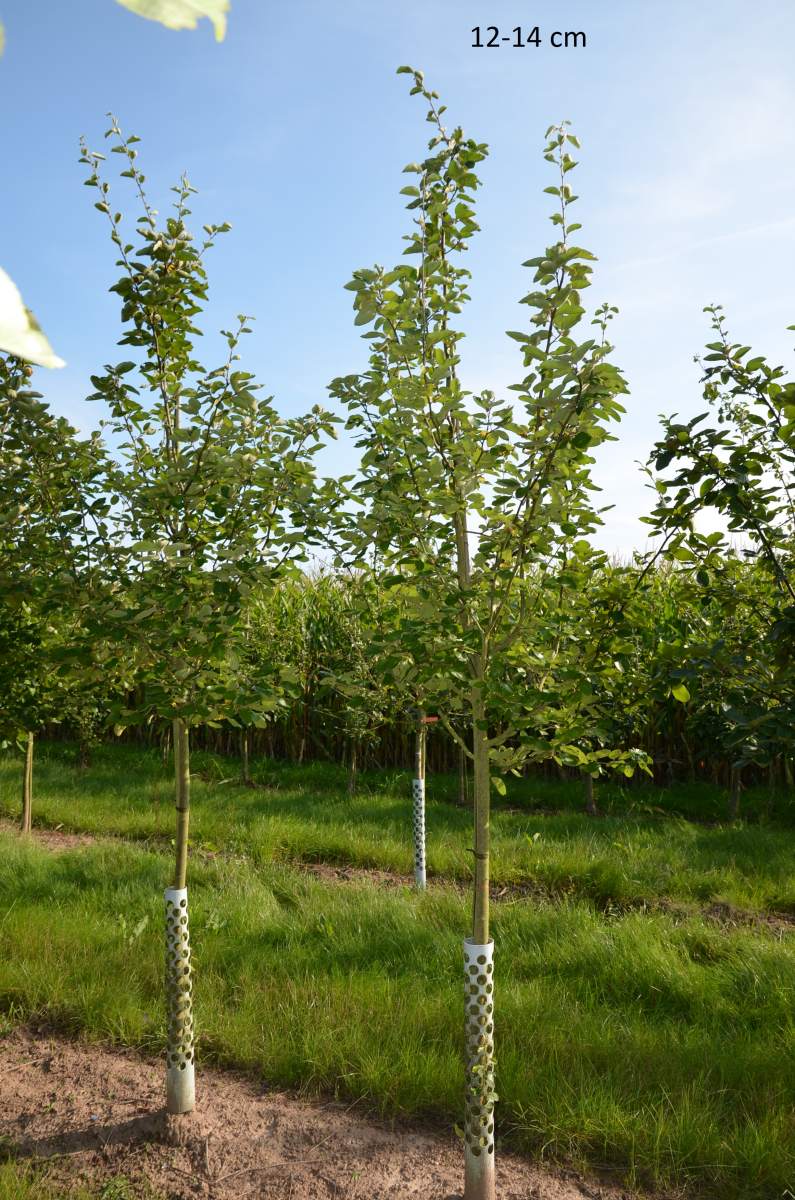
(296,129)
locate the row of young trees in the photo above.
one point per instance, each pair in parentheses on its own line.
(692,672)
(145,572)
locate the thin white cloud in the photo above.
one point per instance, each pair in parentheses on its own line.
(785,227)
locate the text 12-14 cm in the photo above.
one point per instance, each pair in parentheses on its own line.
(491,37)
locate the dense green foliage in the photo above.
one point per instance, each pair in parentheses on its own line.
(51,511)
(670,634)
(742,469)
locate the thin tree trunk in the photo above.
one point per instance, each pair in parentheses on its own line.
(691,762)
(590,803)
(480,904)
(479,1170)
(304,732)
(734,793)
(244,757)
(180,1087)
(463,791)
(353,764)
(479,1166)
(418,794)
(27,787)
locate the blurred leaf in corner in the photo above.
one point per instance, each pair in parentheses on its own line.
(20,333)
(182,14)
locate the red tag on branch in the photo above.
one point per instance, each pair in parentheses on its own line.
(429,720)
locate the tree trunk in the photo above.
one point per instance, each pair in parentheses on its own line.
(180,1087)
(479,1172)
(479,1167)
(304,732)
(590,803)
(691,762)
(353,767)
(245,766)
(463,791)
(736,785)
(480,899)
(418,793)
(27,787)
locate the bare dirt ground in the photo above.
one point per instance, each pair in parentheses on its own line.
(51,839)
(93,1114)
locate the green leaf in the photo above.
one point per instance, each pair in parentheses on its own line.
(680,693)
(182,14)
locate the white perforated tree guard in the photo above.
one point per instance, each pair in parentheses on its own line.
(480,1095)
(418,792)
(180,1083)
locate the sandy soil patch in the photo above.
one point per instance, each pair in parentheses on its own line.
(94,1113)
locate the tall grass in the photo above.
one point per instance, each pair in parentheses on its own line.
(643,851)
(659,1048)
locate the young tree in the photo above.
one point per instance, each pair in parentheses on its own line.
(474,500)
(385,672)
(21,686)
(352,692)
(742,469)
(51,529)
(213,493)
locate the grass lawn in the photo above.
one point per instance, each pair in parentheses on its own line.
(654,1044)
(645,849)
